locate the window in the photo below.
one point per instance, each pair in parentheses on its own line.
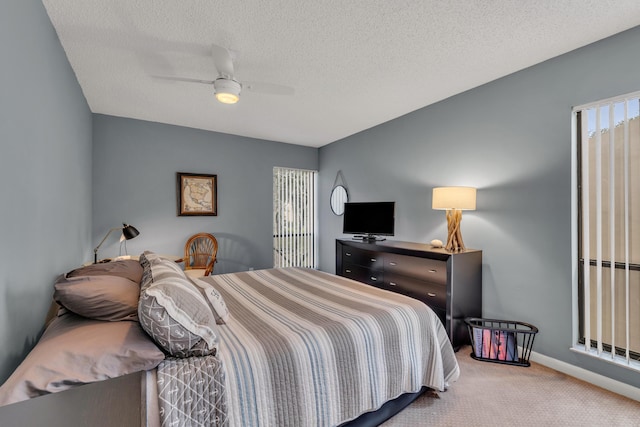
(608,229)
(294,218)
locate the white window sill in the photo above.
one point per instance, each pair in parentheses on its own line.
(634,365)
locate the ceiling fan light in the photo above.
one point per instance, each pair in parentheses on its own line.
(227,91)
(227,98)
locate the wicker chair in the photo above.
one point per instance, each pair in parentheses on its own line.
(200,254)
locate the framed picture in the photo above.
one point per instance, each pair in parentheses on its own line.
(197,194)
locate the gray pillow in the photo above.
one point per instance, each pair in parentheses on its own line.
(174,312)
(75,350)
(162,267)
(128,268)
(99,297)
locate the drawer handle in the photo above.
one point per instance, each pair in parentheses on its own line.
(392,284)
(393,263)
(373,260)
(374,278)
(431,294)
(347,271)
(433,271)
(347,253)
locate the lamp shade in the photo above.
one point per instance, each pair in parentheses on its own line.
(462,198)
(129,231)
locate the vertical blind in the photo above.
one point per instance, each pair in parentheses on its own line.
(294,218)
(609,226)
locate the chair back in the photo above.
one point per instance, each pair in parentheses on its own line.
(200,252)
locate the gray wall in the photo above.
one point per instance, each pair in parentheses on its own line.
(45,173)
(512,140)
(134,175)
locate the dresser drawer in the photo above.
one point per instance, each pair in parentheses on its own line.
(433,294)
(362,274)
(431,270)
(449,283)
(362,257)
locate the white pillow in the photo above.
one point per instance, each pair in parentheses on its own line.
(215,299)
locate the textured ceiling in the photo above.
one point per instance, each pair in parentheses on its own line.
(353,64)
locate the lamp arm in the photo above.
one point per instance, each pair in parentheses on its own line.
(95,251)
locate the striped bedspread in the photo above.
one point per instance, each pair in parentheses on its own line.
(303,347)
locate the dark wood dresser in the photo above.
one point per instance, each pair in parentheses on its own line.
(449,283)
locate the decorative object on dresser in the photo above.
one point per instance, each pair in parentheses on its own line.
(454,200)
(128,233)
(197,194)
(436,243)
(449,283)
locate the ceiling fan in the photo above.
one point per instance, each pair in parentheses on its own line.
(226,87)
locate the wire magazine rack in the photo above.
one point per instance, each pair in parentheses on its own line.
(501,341)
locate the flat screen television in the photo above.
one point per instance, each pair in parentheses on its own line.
(369,219)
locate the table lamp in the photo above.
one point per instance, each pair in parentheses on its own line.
(128,232)
(454,200)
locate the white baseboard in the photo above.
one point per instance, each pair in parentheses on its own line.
(582,374)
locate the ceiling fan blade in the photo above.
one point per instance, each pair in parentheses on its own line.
(222,60)
(184,79)
(268,88)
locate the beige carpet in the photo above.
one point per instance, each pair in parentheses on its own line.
(491,394)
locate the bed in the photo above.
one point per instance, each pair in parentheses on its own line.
(277,347)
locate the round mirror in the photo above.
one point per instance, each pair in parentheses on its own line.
(339,197)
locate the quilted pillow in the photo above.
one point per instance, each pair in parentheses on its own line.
(101,297)
(162,267)
(174,312)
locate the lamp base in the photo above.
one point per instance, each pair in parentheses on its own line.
(454,235)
